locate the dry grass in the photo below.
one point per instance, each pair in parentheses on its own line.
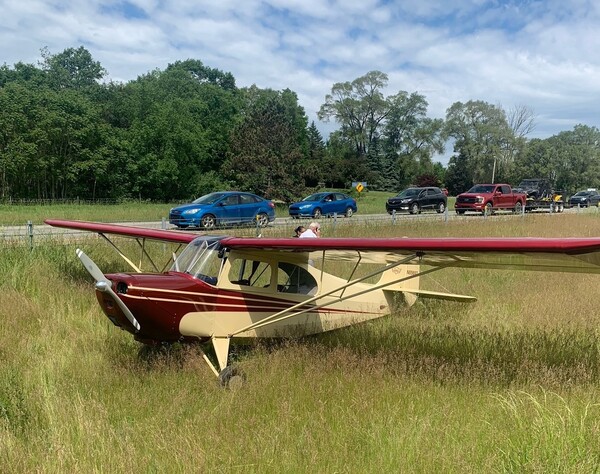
(508,384)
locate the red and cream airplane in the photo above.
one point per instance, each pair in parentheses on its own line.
(223,288)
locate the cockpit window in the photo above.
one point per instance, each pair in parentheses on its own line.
(250,273)
(295,279)
(201,260)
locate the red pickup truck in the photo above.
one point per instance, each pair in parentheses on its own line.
(487,198)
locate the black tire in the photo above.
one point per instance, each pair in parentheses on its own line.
(489,209)
(441,207)
(262,219)
(208,221)
(317,214)
(460,212)
(518,208)
(349,212)
(231,378)
(414,208)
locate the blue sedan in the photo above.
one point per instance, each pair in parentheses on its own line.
(222,209)
(324,204)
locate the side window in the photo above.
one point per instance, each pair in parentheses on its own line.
(505,190)
(246,199)
(230,200)
(294,279)
(250,273)
(430,192)
(339,197)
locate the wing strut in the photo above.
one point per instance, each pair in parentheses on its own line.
(283,314)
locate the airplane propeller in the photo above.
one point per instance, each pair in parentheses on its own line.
(104,285)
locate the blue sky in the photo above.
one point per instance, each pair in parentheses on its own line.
(542,54)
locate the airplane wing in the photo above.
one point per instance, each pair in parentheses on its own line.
(140,234)
(576,255)
(125,231)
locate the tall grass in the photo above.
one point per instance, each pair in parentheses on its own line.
(508,384)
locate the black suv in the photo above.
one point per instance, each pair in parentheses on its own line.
(415,200)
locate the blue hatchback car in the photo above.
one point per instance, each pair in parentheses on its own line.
(324,204)
(223,209)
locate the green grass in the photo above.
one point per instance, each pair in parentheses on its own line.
(508,384)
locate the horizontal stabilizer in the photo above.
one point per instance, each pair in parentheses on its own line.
(442,296)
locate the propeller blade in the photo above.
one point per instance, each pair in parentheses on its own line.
(105,285)
(105,288)
(91,267)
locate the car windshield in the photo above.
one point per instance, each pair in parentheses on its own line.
(209,198)
(583,193)
(481,188)
(529,182)
(315,197)
(409,192)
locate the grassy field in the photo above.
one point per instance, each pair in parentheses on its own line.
(508,384)
(372,202)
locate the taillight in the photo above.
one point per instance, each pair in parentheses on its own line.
(271,205)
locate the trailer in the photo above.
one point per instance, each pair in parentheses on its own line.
(540,196)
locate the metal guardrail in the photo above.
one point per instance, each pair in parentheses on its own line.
(30,233)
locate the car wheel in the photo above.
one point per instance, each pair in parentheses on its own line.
(518,208)
(262,219)
(414,208)
(208,221)
(487,211)
(317,213)
(460,212)
(441,207)
(349,212)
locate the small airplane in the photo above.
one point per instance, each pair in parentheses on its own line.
(221,288)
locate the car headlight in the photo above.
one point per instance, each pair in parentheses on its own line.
(479,199)
(404,201)
(187,212)
(304,206)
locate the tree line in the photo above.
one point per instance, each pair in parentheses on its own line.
(177,133)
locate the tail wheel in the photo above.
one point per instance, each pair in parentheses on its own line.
(262,219)
(208,221)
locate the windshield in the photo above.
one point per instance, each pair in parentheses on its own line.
(315,197)
(583,193)
(529,182)
(482,188)
(209,198)
(409,192)
(201,260)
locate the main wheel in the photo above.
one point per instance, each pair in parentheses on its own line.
(349,211)
(414,208)
(441,207)
(208,221)
(262,219)
(231,377)
(317,213)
